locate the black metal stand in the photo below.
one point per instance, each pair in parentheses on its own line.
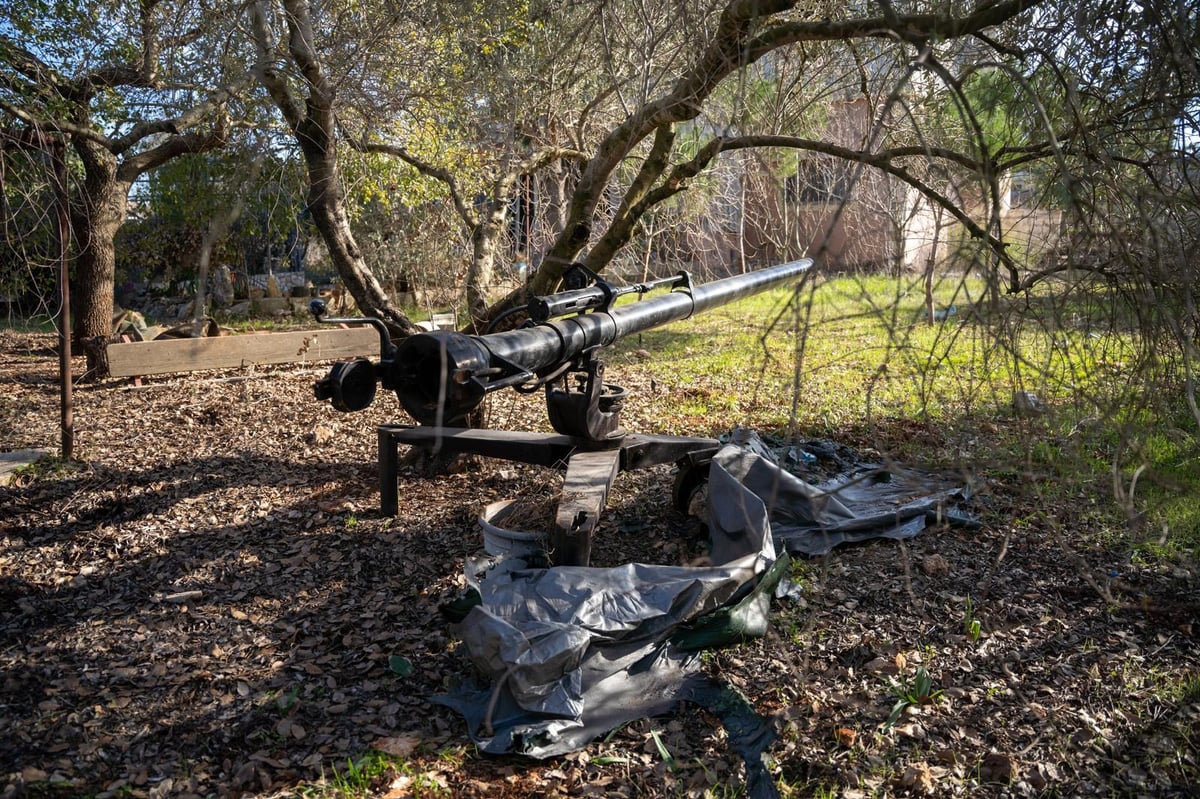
(441,376)
(590,468)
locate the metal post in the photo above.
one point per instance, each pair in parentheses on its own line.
(389,498)
(67,401)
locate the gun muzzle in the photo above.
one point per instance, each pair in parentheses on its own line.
(349,386)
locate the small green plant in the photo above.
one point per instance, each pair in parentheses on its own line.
(365,776)
(663,752)
(609,760)
(359,776)
(1189,689)
(916,691)
(353,779)
(794,632)
(452,756)
(351,522)
(286,703)
(971,625)
(47,467)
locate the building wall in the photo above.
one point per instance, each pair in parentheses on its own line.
(1029,232)
(852,219)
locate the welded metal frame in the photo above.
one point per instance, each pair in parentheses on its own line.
(590,467)
(441,376)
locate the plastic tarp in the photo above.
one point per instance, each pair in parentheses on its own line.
(572,652)
(569,653)
(862,501)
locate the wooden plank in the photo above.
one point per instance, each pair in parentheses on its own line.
(230,352)
(584,494)
(17,459)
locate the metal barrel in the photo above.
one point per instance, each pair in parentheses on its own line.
(441,376)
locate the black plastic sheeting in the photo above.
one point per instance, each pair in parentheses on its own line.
(569,653)
(862,501)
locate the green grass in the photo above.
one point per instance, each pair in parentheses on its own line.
(376,774)
(846,349)
(857,357)
(48,467)
(1189,689)
(35,324)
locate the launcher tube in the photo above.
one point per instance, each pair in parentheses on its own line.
(440,376)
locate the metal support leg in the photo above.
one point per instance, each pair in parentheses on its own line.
(585,491)
(589,472)
(543,449)
(389,460)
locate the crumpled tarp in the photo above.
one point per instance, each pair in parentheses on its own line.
(569,653)
(863,501)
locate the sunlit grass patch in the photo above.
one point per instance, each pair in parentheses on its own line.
(1052,390)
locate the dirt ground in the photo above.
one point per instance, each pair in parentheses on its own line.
(209,604)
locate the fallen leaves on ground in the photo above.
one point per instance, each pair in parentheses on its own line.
(209,603)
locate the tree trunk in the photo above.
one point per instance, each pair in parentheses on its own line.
(485,240)
(314,125)
(556,202)
(218,228)
(327,204)
(930,263)
(200,304)
(96,219)
(481,272)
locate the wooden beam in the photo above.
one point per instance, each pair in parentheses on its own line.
(584,494)
(231,352)
(17,459)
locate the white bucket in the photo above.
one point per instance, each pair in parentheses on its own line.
(508,543)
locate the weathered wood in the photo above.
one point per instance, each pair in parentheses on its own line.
(10,462)
(229,352)
(584,493)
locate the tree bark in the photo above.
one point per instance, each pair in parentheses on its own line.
(327,204)
(484,241)
(313,123)
(486,233)
(96,218)
(111,164)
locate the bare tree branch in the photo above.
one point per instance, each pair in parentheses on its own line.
(735,44)
(266,68)
(40,75)
(463,210)
(912,28)
(178,144)
(216,103)
(56,125)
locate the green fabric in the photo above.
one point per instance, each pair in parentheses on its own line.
(457,609)
(733,624)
